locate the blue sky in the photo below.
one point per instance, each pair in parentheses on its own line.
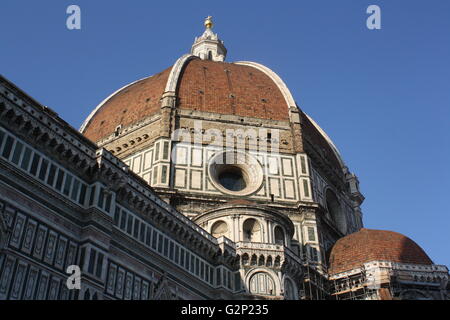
(382,95)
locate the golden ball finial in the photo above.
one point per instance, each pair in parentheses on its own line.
(209,23)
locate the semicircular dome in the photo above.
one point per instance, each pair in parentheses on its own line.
(368,245)
(126,106)
(203,85)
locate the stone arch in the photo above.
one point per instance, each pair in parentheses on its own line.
(290,289)
(269,261)
(261,260)
(219,229)
(262,283)
(269,272)
(277,262)
(252,230)
(279,235)
(254,260)
(245,259)
(335,210)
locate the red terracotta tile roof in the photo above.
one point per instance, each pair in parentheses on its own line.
(204,85)
(128,106)
(232,89)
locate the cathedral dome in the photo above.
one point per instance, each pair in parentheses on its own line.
(203,85)
(368,245)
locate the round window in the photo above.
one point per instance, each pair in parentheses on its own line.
(235,173)
(232,178)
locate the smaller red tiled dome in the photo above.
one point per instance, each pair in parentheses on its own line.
(368,245)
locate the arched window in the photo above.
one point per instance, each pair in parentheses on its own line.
(245,259)
(334,209)
(262,283)
(279,235)
(254,260)
(219,229)
(252,230)
(269,261)
(277,263)
(261,261)
(289,290)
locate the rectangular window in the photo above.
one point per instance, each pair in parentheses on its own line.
(164,174)
(218,276)
(43,170)
(8,147)
(157,152)
(177,254)
(186,264)
(91,262)
(82,194)
(182,257)
(98,271)
(237,281)
(59,180)
(123,220)
(92,196)
(314,255)
(202,270)
(311,234)
(142,234)
(148,237)
(17,152)
(160,243)
(35,164)
(82,254)
(108,202)
(67,185)
(306,187)
(155,175)
(171,250)
(26,159)
(197,271)
(303,164)
(51,175)
(75,189)
(166,150)
(2,135)
(101,198)
(211,276)
(130,224)
(137,225)
(117,216)
(154,239)
(166,247)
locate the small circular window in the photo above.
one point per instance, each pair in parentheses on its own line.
(235,173)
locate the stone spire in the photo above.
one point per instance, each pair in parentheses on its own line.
(209,46)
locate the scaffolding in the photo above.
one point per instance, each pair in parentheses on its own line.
(315,284)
